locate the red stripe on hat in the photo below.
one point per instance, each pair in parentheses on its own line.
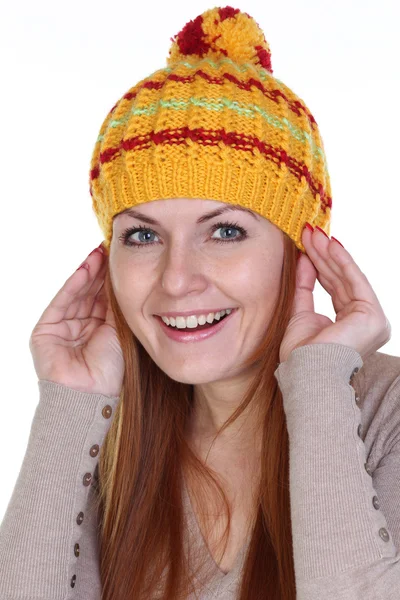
(212,137)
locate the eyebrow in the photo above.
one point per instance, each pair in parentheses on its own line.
(206,217)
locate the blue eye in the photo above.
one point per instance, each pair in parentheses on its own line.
(124,237)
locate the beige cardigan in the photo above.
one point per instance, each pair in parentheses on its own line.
(344,432)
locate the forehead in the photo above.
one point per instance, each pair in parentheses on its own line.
(203,209)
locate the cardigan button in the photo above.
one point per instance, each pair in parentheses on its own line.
(79,518)
(368,468)
(87,479)
(359,430)
(76,549)
(355,370)
(94,450)
(73,581)
(106,412)
(384,534)
(375,502)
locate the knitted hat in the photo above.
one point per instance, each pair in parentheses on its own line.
(214,124)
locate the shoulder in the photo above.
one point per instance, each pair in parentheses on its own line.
(377,384)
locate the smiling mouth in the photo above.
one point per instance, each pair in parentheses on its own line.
(198,328)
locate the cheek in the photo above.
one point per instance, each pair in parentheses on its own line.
(256,281)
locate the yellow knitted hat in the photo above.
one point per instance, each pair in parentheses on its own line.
(214,124)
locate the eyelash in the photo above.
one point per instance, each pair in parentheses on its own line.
(131,230)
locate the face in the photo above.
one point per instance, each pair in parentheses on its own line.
(233,260)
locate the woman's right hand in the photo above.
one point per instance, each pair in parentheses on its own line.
(75,342)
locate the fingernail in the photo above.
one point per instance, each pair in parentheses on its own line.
(310,227)
(337,241)
(319,229)
(84,266)
(100,247)
(97,250)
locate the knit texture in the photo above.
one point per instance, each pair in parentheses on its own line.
(344,434)
(214,124)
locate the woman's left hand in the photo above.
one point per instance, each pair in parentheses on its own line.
(360,321)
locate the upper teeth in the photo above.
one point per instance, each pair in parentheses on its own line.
(193,321)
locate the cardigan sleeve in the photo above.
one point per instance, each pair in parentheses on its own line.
(48,536)
(343,544)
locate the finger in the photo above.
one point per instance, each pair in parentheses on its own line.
(316,244)
(108,312)
(83,307)
(352,280)
(306,276)
(357,282)
(101,305)
(74,289)
(337,304)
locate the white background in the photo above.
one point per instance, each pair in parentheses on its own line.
(64,65)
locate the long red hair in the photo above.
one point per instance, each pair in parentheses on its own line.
(139,501)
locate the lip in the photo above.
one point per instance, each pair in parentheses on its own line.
(195,336)
(194,313)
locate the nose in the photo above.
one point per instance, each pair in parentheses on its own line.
(182,272)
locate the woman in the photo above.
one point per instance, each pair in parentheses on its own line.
(249,446)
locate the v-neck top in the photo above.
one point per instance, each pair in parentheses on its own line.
(343,420)
(219,584)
